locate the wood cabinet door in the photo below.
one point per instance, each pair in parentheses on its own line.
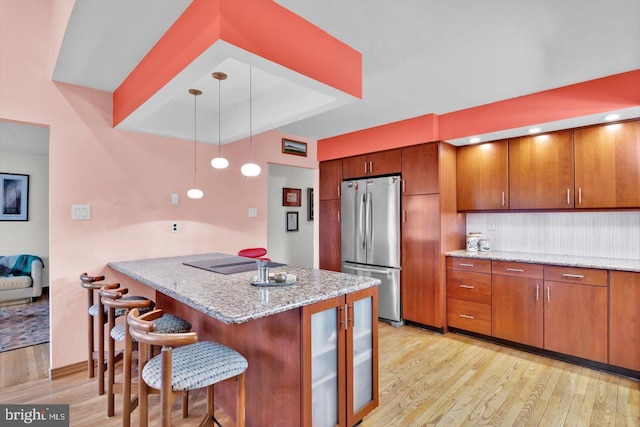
(517,309)
(483,176)
(608,166)
(541,171)
(420,173)
(422,293)
(575,320)
(361,354)
(329,236)
(385,162)
(355,167)
(330,179)
(624,319)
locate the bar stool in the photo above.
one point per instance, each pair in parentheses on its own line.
(113,298)
(189,366)
(88,282)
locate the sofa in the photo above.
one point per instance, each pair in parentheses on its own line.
(20,277)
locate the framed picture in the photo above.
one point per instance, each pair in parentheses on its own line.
(292,221)
(290,146)
(14,197)
(291,197)
(310,204)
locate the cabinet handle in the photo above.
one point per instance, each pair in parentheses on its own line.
(351,319)
(573,276)
(365,168)
(338,216)
(370,166)
(404,186)
(537,291)
(503,198)
(467,286)
(462,264)
(466,316)
(549,293)
(516,270)
(580,195)
(404,216)
(338,191)
(568,196)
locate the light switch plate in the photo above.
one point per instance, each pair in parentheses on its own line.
(253,212)
(174,199)
(80,212)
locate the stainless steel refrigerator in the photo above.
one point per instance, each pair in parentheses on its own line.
(370,221)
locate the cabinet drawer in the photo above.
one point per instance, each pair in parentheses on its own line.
(468,286)
(470,316)
(469,264)
(585,276)
(517,269)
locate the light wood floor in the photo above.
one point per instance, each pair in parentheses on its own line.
(426,379)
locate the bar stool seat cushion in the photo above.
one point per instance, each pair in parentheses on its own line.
(93,310)
(196,365)
(167,324)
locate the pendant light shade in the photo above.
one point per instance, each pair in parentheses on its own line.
(219,162)
(195,192)
(250,169)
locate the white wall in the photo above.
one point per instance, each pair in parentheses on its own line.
(32,236)
(597,234)
(293,247)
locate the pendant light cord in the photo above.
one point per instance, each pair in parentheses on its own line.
(195,130)
(219,113)
(250,115)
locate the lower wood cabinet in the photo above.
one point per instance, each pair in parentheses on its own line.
(560,309)
(329,238)
(340,359)
(624,319)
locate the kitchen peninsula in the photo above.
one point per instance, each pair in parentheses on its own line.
(311,346)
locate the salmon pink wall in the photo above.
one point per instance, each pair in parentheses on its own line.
(393,135)
(618,91)
(127,178)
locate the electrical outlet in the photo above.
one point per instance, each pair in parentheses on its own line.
(174,227)
(491,225)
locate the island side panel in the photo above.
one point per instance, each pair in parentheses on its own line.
(272,345)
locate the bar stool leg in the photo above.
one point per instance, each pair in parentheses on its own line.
(240,404)
(101,363)
(127,405)
(90,336)
(111,365)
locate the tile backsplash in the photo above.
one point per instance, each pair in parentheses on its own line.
(597,234)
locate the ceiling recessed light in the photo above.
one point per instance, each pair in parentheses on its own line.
(611,117)
(475,140)
(534,130)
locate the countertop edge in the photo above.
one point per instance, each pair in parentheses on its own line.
(617,264)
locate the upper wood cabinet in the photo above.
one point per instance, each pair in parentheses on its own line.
(420,173)
(608,166)
(483,176)
(541,171)
(330,179)
(373,164)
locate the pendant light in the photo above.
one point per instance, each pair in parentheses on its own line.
(219,162)
(195,192)
(250,169)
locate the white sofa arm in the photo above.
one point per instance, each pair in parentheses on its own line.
(36,277)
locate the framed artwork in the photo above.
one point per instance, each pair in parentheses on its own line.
(310,204)
(290,146)
(14,197)
(291,197)
(292,221)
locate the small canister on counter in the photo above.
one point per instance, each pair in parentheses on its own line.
(472,242)
(484,245)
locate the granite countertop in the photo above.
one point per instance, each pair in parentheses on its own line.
(566,260)
(231,298)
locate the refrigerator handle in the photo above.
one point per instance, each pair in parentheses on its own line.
(369,221)
(362,231)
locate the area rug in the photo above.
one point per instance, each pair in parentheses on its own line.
(23,326)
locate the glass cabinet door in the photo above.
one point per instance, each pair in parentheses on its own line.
(362,353)
(324,368)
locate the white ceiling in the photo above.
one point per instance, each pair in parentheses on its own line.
(419,56)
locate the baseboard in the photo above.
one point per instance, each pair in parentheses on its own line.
(68,370)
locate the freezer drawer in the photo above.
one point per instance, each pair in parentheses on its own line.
(388,291)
